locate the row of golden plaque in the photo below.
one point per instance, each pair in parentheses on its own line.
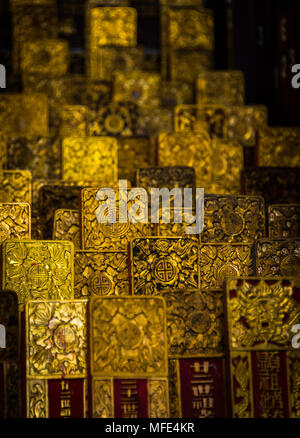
(143,320)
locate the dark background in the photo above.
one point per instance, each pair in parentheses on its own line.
(260,37)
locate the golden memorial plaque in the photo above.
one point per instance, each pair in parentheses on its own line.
(279,147)
(49,57)
(194,323)
(90,158)
(38,269)
(40,155)
(23,114)
(118,119)
(56,398)
(73,121)
(261,313)
(279,257)
(233,218)
(191,149)
(142,88)
(197,387)
(130,398)
(101,273)
(15,221)
(134,153)
(128,337)
(15,186)
(107,60)
(264,368)
(112,26)
(190,28)
(67,226)
(56,339)
(100,236)
(284,221)
(220,87)
(219,261)
(159,263)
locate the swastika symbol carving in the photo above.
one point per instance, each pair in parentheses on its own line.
(165,271)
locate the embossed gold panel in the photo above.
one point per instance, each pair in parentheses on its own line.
(90,158)
(284,221)
(118,119)
(279,257)
(128,337)
(101,273)
(15,186)
(236,123)
(113,26)
(38,269)
(45,56)
(160,263)
(194,323)
(264,368)
(261,312)
(191,149)
(220,87)
(15,221)
(279,147)
(67,226)
(139,87)
(219,261)
(24,114)
(190,28)
(233,218)
(56,339)
(104,236)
